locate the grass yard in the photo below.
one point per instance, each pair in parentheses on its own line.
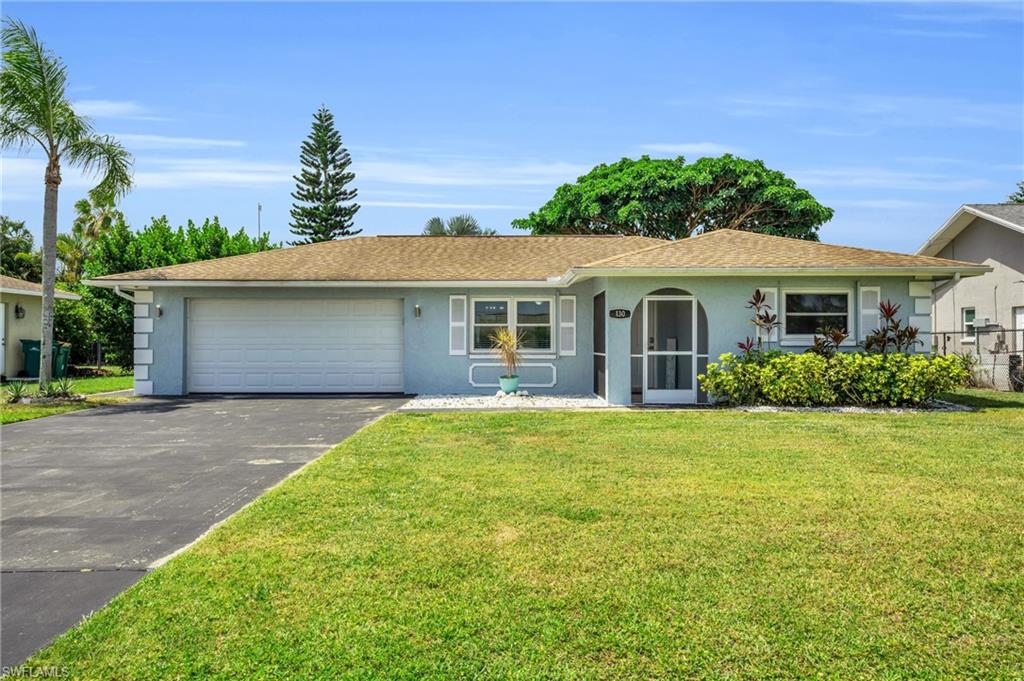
(13,413)
(103,384)
(605,545)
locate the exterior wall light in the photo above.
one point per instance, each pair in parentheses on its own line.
(19,311)
(159,311)
(418,311)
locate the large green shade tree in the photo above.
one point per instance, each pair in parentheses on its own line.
(673,199)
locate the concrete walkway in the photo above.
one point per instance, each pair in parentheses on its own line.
(91,499)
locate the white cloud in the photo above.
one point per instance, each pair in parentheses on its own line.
(877,204)
(827,131)
(138,141)
(445,206)
(928,33)
(892,110)
(206,172)
(468,173)
(112,108)
(883,178)
(695,148)
(21,179)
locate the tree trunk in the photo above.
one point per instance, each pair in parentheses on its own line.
(49,268)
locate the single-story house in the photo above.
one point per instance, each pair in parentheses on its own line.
(630,318)
(21,316)
(981,315)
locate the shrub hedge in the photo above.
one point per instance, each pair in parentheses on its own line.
(856,378)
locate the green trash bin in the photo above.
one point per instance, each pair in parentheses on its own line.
(31,348)
(59,366)
(61,359)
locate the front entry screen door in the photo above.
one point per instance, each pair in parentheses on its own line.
(670,363)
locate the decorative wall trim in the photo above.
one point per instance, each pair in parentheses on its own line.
(143,355)
(554,375)
(921,289)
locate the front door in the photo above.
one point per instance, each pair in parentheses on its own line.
(670,361)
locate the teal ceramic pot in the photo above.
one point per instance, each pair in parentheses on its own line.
(509,384)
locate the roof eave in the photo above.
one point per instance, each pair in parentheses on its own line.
(957,223)
(578,274)
(130,284)
(63,295)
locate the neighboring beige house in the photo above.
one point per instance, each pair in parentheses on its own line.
(983,315)
(21,305)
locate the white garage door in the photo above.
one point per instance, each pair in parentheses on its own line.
(279,346)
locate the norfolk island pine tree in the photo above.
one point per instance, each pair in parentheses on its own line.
(324,206)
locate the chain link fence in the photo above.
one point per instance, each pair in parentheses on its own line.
(997,355)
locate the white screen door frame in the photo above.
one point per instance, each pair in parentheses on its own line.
(677,396)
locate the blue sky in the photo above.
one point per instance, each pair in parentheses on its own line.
(892,114)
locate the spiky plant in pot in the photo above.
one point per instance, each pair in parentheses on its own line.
(507,343)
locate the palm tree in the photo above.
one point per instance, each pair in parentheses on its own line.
(93,217)
(72,250)
(34,109)
(460,225)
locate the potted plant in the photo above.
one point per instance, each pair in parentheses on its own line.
(507,344)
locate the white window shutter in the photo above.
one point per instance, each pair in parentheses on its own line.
(567,325)
(870,316)
(771,298)
(457,313)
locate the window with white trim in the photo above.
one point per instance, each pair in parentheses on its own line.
(809,313)
(531,317)
(967,324)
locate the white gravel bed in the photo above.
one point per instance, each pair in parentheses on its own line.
(468,402)
(937,405)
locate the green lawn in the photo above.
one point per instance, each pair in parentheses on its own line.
(13,413)
(605,545)
(103,384)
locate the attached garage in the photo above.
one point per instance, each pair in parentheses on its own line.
(294,346)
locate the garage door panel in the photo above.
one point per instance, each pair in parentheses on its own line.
(339,345)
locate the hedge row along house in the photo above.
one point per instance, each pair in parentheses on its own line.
(632,319)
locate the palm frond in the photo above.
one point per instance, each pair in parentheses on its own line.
(32,89)
(103,155)
(435,227)
(463,225)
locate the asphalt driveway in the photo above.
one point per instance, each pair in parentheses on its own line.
(89,501)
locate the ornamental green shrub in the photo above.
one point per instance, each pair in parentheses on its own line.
(797,381)
(809,379)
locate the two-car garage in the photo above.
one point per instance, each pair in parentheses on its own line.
(294,346)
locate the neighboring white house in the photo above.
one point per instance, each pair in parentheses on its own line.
(982,315)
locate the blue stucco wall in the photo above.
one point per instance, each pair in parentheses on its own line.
(427,365)
(429,368)
(724,300)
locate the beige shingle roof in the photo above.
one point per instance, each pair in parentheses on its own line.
(406,258)
(730,249)
(14,285)
(527,258)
